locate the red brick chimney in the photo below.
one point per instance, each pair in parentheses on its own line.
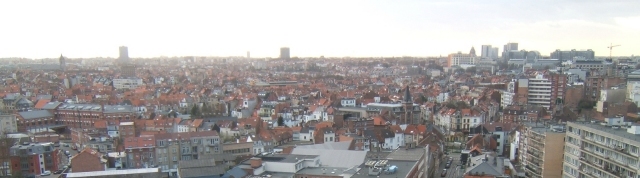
(256,162)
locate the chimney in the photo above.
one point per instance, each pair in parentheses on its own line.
(256,162)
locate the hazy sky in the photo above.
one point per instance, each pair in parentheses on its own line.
(42,29)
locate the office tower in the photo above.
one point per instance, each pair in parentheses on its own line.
(248,55)
(63,63)
(459,58)
(606,149)
(540,149)
(486,51)
(124,54)
(494,53)
(128,70)
(285,53)
(510,47)
(570,55)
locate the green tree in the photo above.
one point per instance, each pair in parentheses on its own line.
(280,121)
(216,128)
(195,110)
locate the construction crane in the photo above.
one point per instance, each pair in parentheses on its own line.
(611,46)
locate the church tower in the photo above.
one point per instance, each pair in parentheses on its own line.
(63,63)
(407,103)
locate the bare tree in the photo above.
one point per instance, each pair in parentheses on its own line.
(5,151)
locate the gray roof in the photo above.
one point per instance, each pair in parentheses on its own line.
(334,158)
(51,105)
(35,114)
(207,171)
(327,146)
(48,97)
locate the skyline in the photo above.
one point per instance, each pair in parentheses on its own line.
(80,29)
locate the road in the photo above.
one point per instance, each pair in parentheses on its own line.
(455,171)
(65,161)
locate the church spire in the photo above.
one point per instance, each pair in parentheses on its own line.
(407,95)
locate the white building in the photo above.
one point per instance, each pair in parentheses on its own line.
(129,83)
(459,58)
(608,149)
(633,87)
(8,123)
(507,96)
(539,91)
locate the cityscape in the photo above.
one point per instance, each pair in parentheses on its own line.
(330,89)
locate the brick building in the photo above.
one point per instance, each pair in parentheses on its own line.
(88,160)
(34,158)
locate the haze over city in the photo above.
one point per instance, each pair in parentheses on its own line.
(84,29)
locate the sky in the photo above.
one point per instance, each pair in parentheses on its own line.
(330,28)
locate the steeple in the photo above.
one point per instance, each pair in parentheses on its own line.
(473,51)
(407,95)
(63,62)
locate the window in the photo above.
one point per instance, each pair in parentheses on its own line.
(161,143)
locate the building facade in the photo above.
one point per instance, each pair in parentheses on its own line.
(607,149)
(539,150)
(29,159)
(459,58)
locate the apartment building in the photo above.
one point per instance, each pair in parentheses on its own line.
(545,90)
(540,148)
(29,159)
(127,83)
(605,150)
(84,115)
(174,147)
(459,58)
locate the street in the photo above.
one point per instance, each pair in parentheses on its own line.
(64,160)
(454,171)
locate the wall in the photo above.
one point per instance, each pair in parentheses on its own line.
(553,156)
(280,167)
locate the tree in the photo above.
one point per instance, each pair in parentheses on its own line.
(471,70)
(5,145)
(194,110)
(280,121)
(216,128)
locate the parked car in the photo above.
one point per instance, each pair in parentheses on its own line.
(58,171)
(444,173)
(46,173)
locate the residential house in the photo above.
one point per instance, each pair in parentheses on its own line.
(89,160)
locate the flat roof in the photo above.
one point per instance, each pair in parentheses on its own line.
(116,172)
(403,170)
(621,132)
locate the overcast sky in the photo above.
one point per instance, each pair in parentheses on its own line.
(43,29)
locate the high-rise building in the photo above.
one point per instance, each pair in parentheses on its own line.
(570,55)
(285,53)
(128,70)
(63,63)
(248,55)
(606,149)
(542,90)
(124,54)
(538,149)
(510,47)
(486,51)
(459,58)
(494,53)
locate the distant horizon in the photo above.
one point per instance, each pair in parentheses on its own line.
(332,28)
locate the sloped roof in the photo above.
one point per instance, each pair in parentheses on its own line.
(35,114)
